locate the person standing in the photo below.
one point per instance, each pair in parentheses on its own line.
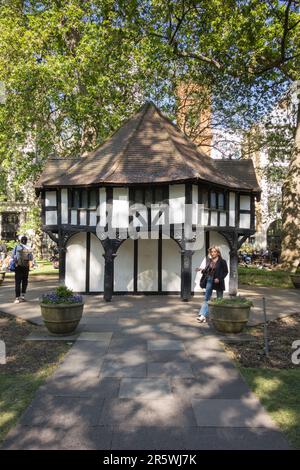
(3,251)
(22,257)
(216,270)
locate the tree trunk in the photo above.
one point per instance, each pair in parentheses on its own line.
(290,248)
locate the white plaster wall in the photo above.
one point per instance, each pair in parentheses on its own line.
(51,218)
(96,265)
(245,203)
(123,267)
(218,240)
(74,217)
(102,207)
(76,262)
(82,217)
(198,260)
(214,218)
(205,217)
(171,266)
(223,220)
(244,220)
(50,198)
(120,215)
(147,265)
(176,203)
(64,206)
(93,218)
(195,204)
(232,209)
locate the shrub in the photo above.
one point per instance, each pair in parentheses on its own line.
(234,301)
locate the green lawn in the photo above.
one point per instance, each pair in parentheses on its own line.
(44,267)
(28,364)
(262,277)
(16,392)
(279,392)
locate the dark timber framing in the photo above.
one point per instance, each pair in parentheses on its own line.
(234,235)
(88,261)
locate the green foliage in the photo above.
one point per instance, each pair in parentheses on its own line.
(10,245)
(61,295)
(33,221)
(63,291)
(247,248)
(74,70)
(233,301)
(278,391)
(264,277)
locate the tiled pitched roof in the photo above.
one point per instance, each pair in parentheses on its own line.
(148,148)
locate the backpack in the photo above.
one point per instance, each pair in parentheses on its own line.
(23,256)
(12,265)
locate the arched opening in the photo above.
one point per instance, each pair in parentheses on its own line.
(148,266)
(96,265)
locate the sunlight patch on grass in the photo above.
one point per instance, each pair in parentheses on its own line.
(279,392)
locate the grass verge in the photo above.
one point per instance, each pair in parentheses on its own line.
(251,276)
(279,392)
(28,364)
(275,380)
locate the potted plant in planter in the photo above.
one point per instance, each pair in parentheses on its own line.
(230,315)
(61,310)
(295,278)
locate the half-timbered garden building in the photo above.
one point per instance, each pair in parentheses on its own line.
(119,214)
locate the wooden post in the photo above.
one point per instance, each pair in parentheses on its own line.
(62,257)
(233,279)
(186,274)
(108,274)
(110,247)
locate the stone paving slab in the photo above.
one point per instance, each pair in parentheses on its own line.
(195,438)
(100,327)
(145,438)
(34,438)
(129,357)
(125,437)
(45,336)
(81,386)
(170,369)
(165,345)
(144,374)
(231,413)
(121,344)
(84,437)
(62,412)
(167,356)
(141,411)
(117,369)
(147,388)
(280,302)
(95,336)
(205,386)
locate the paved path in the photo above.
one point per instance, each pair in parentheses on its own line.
(142,375)
(280,302)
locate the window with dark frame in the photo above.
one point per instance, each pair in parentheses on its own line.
(216,200)
(84,199)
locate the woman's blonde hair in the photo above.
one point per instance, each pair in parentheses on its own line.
(217,248)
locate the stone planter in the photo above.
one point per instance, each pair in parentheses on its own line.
(61,319)
(295,278)
(2,276)
(229,318)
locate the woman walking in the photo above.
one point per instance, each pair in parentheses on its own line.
(214,273)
